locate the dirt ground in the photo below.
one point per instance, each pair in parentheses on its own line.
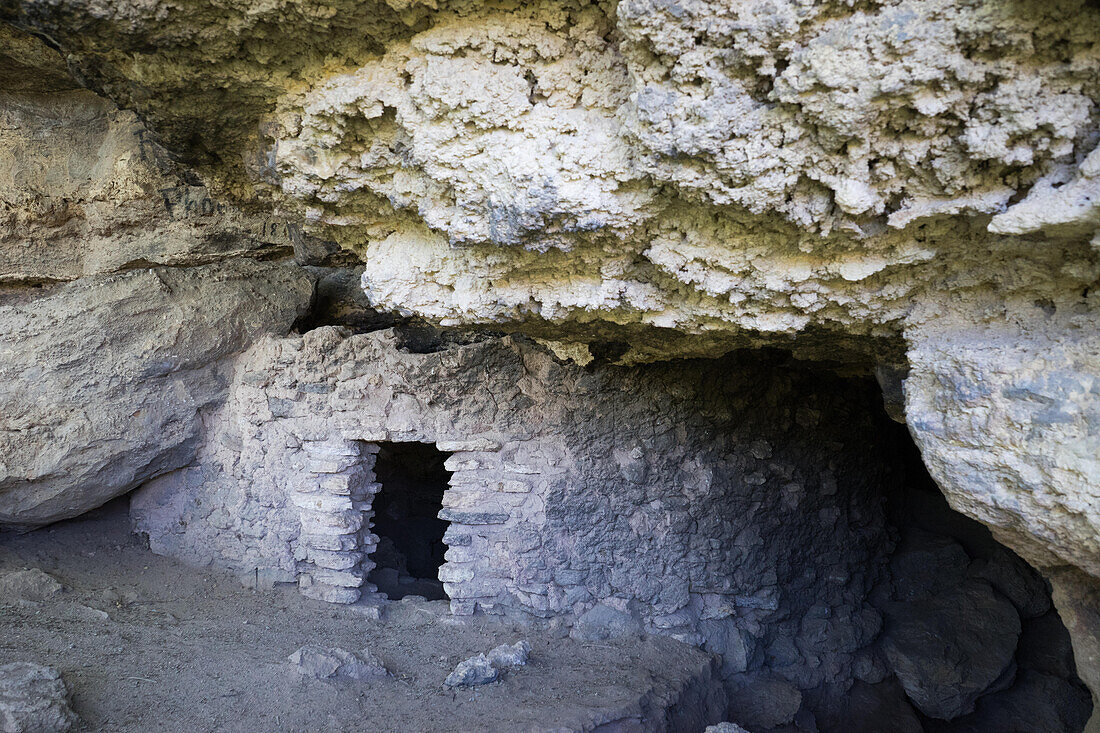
(148,644)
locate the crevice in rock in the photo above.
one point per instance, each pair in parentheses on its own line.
(338,300)
(417,337)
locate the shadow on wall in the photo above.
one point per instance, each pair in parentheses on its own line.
(971,642)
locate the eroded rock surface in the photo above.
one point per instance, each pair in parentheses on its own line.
(104,378)
(123,286)
(900,186)
(33,699)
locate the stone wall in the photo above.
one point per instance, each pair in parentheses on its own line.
(731,504)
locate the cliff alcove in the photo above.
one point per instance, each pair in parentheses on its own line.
(758,507)
(627,268)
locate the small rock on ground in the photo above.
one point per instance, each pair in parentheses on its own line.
(329,663)
(33,699)
(472,672)
(725,728)
(28,585)
(504,656)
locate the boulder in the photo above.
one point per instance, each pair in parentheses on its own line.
(330,663)
(472,672)
(102,380)
(762,702)
(950,648)
(28,585)
(505,656)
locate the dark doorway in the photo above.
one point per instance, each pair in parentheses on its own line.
(406,508)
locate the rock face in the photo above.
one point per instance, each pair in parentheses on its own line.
(126,288)
(910,187)
(857,183)
(104,378)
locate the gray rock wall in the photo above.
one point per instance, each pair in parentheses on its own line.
(123,288)
(729,504)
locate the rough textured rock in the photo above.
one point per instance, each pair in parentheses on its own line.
(27,585)
(505,656)
(685,177)
(104,379)
(900,185)
(323,663)
(86,189)
(1077,598)
(763,701)
(123,284)
(950,648)
(33,699)
(725,728)
(472,672)
(765,167)
(875,708)
(604,622)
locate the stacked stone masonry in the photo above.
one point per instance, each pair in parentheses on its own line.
(689,497)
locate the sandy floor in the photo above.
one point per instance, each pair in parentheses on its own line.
(147,644)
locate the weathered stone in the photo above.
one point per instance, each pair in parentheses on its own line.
(603,622)
(763,701)
(28,585)
(328,593)
(950,648)
(329,663)
(505,656)
(33,699)
(472,672)
(472,518)
(869,184)
(121,366)
(725,728)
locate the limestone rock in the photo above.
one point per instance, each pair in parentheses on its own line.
(725,728)
(950,648)
(975,381)
(472,672)
(907,187)
(103,379)
(505,656)
(34,699)
(329,663)
(111,344)
(1077,598)
(86,189)
(29,585)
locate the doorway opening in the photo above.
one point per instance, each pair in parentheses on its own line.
(406,520)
